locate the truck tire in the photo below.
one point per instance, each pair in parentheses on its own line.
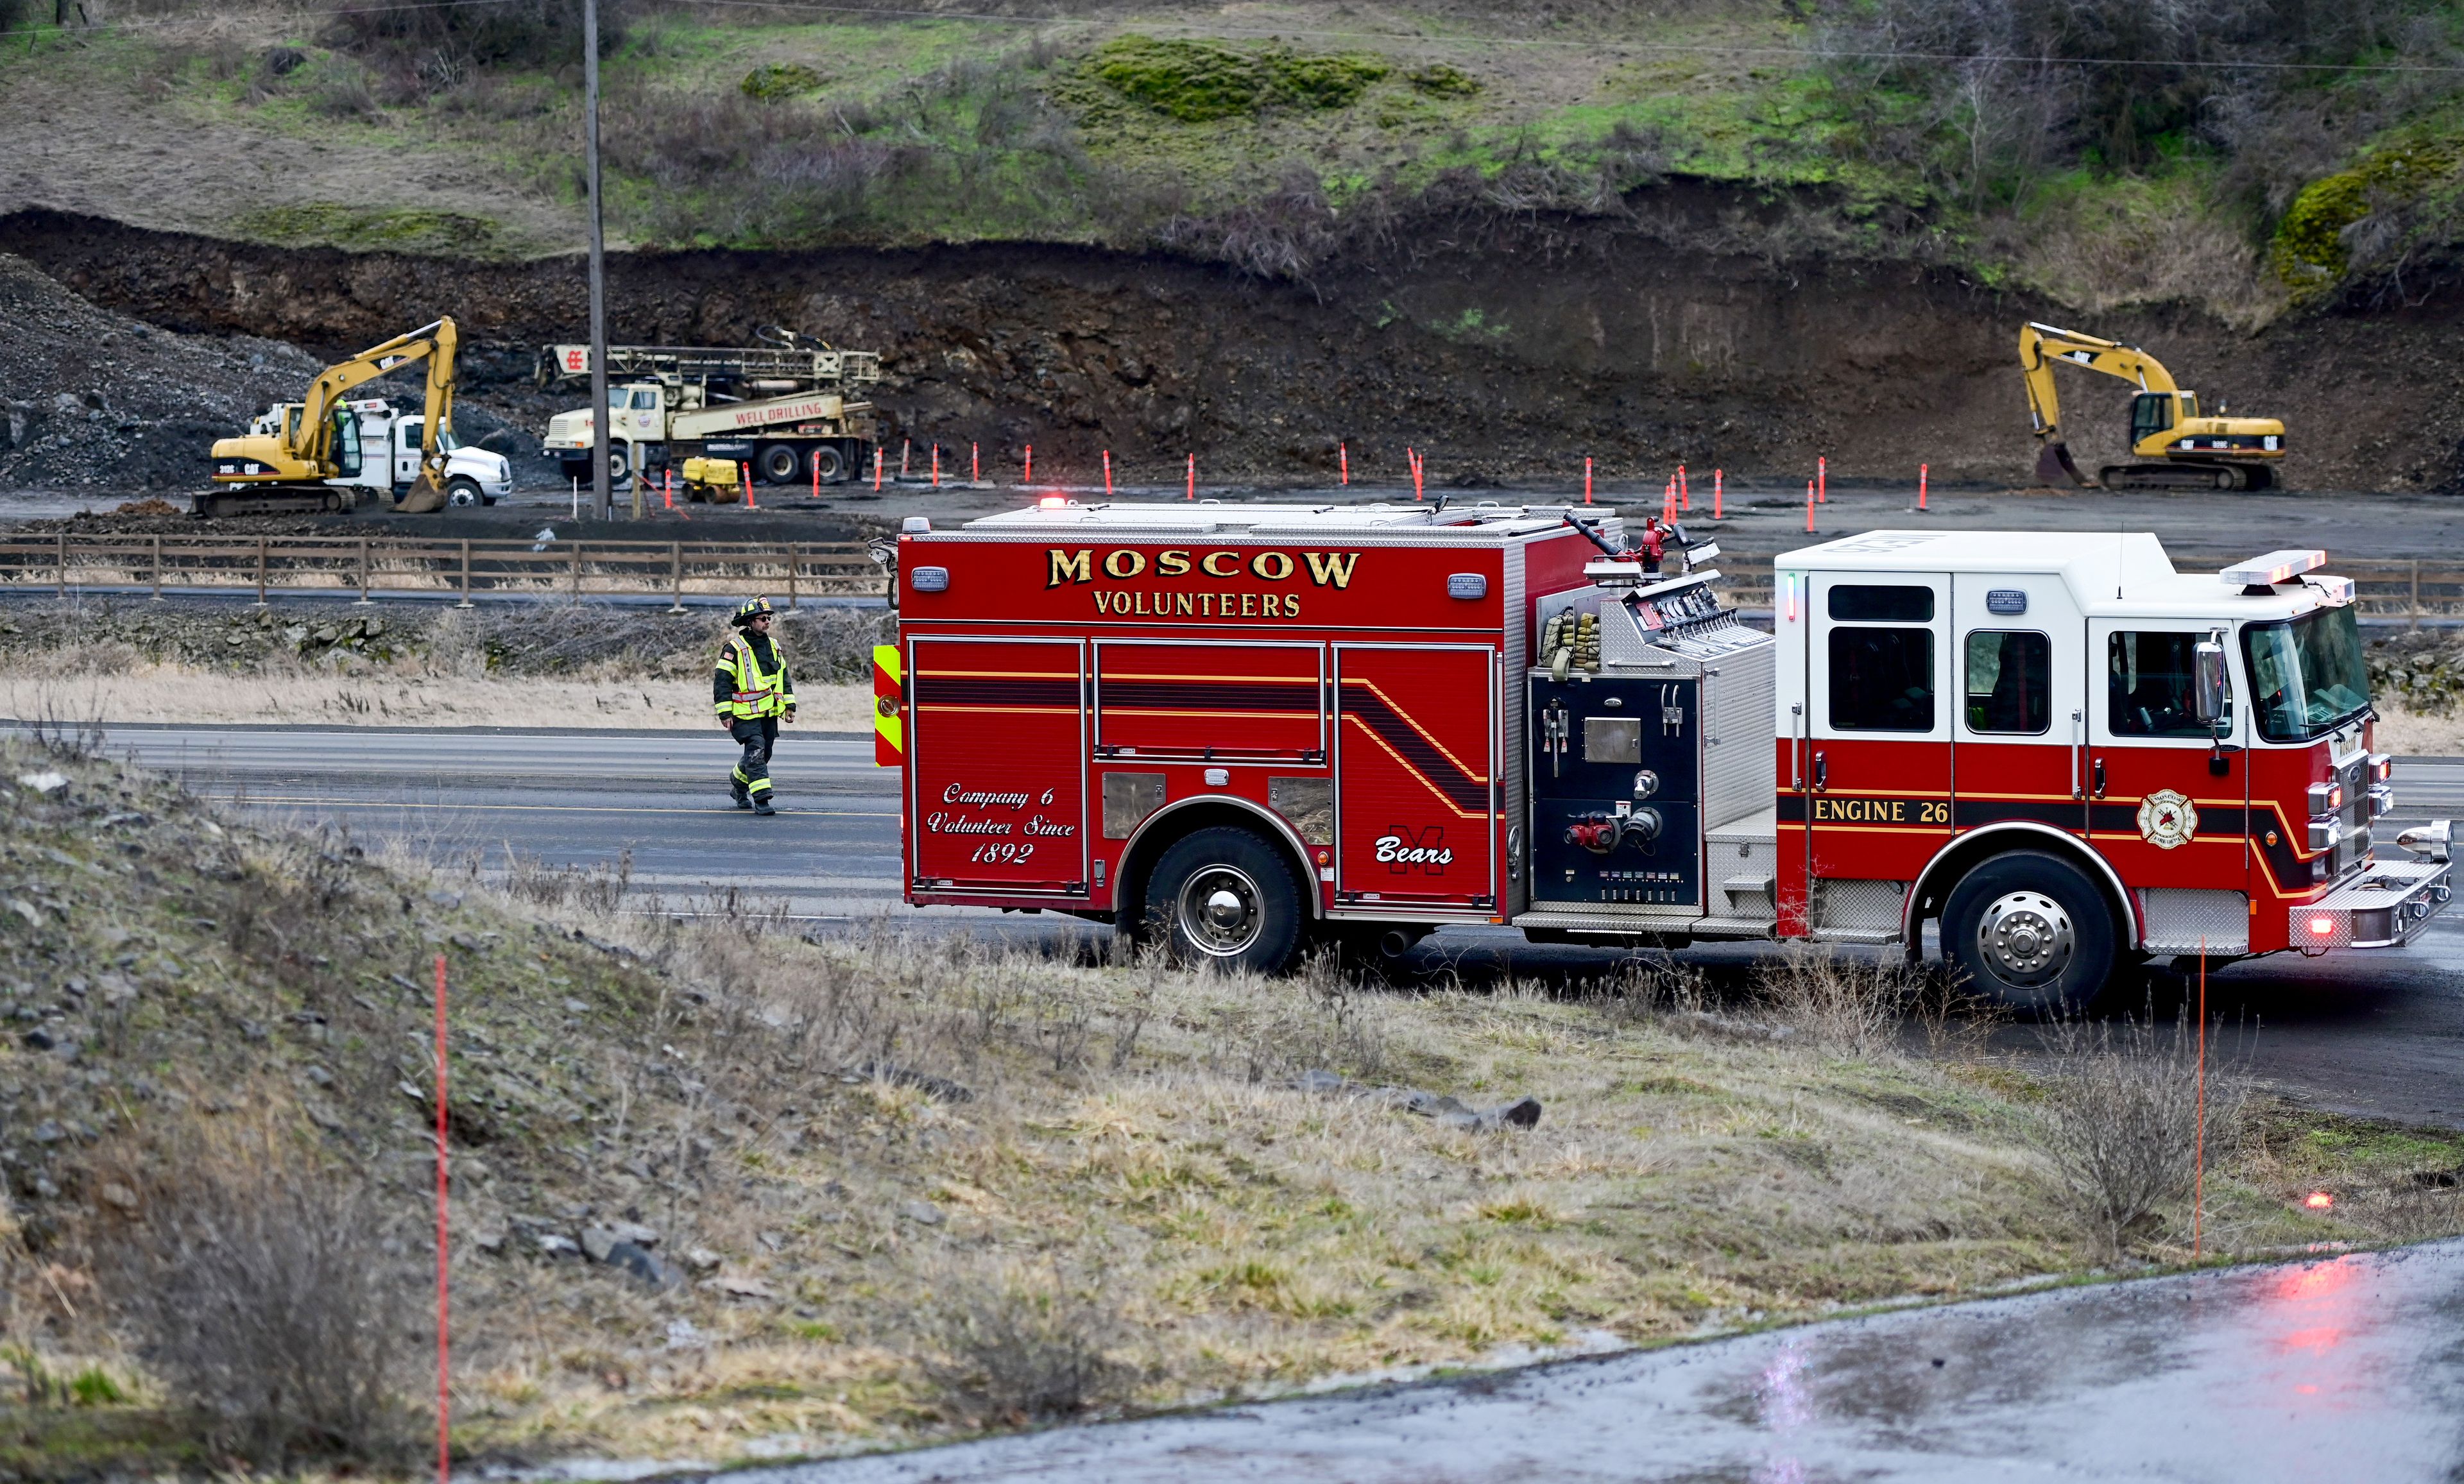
(776,464)
(464,492)
(1225,897)
(620,464)
(829,465)
(2031,930)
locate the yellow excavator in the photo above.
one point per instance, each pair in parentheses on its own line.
(2191,451)
(317,440)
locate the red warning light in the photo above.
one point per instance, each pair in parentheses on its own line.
(2318,1200)
(2323,926)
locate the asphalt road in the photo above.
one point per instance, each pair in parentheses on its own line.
(1760,514)
(2379,1034)
(2344,1370)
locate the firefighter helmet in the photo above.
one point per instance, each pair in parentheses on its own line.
(757,608)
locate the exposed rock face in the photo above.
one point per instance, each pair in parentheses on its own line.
(1497,348)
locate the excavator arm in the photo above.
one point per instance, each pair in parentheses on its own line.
(2040,346)
(436,343)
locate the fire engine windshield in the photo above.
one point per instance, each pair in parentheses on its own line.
(2308,673)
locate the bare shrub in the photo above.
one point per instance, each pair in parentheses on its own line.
(596,889)
(262,1288)
(345,93)
(529,32)
(1280,234)
(2120,1117)
(1021,1347)
(1643,991)
(1314,1020)
(1853,1006)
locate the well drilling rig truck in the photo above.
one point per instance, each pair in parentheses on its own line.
(787,409)
(1240,729)
(323,452)
(2188,450)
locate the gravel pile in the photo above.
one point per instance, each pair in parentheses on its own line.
(92,398)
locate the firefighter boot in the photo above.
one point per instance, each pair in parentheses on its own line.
(744,795)
(761,803)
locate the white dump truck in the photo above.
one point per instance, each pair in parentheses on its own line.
(787,409)
(383,454)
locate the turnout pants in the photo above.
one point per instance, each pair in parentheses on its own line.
(758,737)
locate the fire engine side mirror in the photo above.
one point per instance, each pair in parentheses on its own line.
(2209,689)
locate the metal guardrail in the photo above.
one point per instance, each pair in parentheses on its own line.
(376,565)
(2412,589)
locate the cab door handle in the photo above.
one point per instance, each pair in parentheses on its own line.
(1821,771)
(2100,778)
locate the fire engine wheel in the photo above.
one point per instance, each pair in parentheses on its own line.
(1228,898)
(2032,931)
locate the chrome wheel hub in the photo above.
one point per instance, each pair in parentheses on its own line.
(1219,913)
(2027,937)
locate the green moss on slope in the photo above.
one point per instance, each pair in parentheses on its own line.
(2309,253)
(1198,82)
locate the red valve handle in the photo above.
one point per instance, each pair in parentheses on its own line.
(1599,837)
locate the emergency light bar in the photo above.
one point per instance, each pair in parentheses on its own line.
(2273,568)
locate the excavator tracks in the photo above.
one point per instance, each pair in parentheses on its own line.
(2187,476)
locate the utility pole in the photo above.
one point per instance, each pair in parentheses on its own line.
(601,497)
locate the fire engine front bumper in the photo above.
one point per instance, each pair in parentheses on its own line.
(2383,906)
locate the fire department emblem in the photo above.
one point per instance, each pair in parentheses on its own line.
(2167,819)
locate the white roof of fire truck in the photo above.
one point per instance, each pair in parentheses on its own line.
(2108,573)
(1473,524)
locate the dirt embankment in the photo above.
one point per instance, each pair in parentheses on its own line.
(93,398)
(1497,348)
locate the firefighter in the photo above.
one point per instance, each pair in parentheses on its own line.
(753,694)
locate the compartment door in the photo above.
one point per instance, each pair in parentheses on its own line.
(1416,792)
(1227,701)
(2158,807)
(996,765)
(2018,650)
(1877,783)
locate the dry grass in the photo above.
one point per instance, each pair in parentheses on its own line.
(175,694)
(554,665)
(948,1186)
(2133,247)
(2410,733)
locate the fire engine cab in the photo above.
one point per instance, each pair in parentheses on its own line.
(1244,729)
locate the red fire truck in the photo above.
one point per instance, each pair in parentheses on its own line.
(1248,728)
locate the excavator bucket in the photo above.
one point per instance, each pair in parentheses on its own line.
(2053,465)
(423,498)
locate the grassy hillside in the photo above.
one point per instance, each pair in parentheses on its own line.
(726,1191)
(2261,154)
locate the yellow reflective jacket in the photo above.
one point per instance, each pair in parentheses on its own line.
(745,689)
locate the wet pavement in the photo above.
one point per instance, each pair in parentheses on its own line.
(2344,1370)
